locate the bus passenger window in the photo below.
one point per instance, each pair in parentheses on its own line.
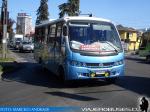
(64,30)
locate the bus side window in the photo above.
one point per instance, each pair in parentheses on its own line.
(59,29)
(65,30)
(41,35)
(48,35)
(51,35)
(58,34)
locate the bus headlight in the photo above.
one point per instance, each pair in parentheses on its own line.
(73,63)
(84,64)
(119,63)
(77,63)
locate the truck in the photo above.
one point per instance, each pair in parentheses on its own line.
(18,38)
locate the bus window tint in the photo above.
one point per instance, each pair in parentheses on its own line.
(64,30)
(90,33)
(51,34)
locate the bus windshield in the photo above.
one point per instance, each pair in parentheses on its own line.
(94,37)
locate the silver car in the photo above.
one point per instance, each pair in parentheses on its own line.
(26,46)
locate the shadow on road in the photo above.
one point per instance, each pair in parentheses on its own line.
(34,74)
(9,68)
(72,96)
(138,85)
(135,59)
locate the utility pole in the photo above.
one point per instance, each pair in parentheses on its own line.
(4,40)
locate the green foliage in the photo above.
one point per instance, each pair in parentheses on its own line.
(10,25)
(7,59)
(1,68)
(45,53)
(1,50)
(7,68)
(42,12)
(64,8)
(74,6)
(71,8)
(148,47)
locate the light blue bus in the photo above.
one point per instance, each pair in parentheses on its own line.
(80,48)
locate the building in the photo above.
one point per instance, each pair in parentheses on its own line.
(130,38)
(146,38)
(24,24)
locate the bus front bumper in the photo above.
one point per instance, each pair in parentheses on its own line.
(75,72)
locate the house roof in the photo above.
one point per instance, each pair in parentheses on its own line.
(128,29)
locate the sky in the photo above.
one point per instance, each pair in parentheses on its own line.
(130,13)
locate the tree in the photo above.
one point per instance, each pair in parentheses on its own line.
(10,28)
(71,8)
(64,8)
(10,25)
(74,7)
(42,12)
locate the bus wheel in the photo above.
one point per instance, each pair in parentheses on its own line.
(61,74)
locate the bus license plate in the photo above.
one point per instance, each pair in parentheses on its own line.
(100,72)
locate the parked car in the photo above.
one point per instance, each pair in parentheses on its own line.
(148,58)
(17,45)
(10,44)
(26,46)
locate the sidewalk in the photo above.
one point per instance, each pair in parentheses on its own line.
(132,55)
(16,57)
(9,67)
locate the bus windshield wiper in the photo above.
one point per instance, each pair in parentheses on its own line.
(116,50)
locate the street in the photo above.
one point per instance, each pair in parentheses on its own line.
(32,85)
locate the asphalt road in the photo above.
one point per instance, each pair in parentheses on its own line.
(32,85)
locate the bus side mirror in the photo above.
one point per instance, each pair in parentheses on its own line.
(64,30)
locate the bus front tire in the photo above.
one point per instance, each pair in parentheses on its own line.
(61,75)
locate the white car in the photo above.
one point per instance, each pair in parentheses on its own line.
(26,46)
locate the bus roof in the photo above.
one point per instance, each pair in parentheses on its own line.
(74,18)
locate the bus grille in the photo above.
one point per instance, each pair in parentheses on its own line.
(101,65)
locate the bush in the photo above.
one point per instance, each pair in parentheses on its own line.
(1,68)
(7,68)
